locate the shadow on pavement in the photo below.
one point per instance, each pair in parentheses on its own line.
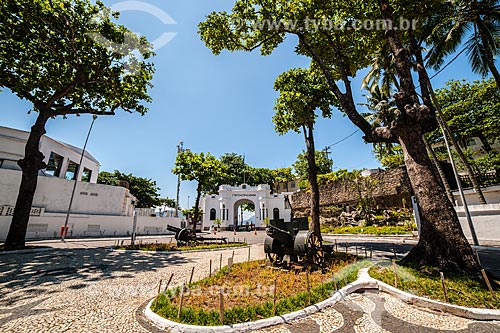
(22,274)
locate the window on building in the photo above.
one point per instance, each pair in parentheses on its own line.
(86,175)
(212,214)
(292,185)
(54,165)
(276,214)
(72,171)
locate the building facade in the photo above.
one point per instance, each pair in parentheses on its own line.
(226,206)
(62,159)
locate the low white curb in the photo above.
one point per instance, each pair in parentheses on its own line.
(461,311)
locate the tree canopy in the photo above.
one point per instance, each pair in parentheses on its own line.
(203,168)
(144,189)
(50,57)
(323,163)
(472,110)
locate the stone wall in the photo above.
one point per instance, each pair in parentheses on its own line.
(388,188)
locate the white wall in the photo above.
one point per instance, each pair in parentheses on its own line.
(49,225)
(486,221)
(53,194)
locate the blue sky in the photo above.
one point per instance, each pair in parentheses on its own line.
(218,104)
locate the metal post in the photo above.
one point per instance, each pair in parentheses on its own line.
(134,228)
(63,234)
(179,150)
(460,189)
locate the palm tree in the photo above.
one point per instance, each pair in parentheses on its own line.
(382,74)
(475,24)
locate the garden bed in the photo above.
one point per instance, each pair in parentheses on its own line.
(461,290)
(370,230)
(248,292)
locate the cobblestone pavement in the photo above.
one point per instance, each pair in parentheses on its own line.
(94,290)
(374,312)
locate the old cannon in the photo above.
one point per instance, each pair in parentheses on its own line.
(185,236)
(293,242)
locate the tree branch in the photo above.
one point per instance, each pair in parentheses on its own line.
(372,135)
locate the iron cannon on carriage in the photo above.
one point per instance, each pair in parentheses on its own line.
(293,242)
(185,236)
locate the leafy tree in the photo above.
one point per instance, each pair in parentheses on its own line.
(282,175)
(472,110)
(144,189)
(235,167)
(390,156)
(48,56)
(202,168)
(168,202)
(302,93)
(323,164)
(339,55)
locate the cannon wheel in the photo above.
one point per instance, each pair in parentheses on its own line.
(314,249)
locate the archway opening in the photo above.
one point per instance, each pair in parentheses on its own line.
(244,214)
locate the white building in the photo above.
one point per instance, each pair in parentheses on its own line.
(97,209)
(61,158)
(224,206)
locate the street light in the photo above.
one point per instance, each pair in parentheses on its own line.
(63,232)
(180,149)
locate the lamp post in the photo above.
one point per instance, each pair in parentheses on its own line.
(460,188)
(180,149)
(63,231)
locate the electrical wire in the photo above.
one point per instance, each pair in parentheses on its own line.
(343,139)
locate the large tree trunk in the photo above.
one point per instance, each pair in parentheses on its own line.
(313,179)
(30,165)
(442,242)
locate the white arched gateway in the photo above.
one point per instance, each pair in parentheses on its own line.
(224,206)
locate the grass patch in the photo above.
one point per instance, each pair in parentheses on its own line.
(461,290)
(172,247)
(248,292)
(369,230)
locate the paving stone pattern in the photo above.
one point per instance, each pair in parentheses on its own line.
(95,290)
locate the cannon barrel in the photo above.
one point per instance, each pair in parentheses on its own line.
(281,235)
(173,229)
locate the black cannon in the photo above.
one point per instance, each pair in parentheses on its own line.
(185,236)
(293,242)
